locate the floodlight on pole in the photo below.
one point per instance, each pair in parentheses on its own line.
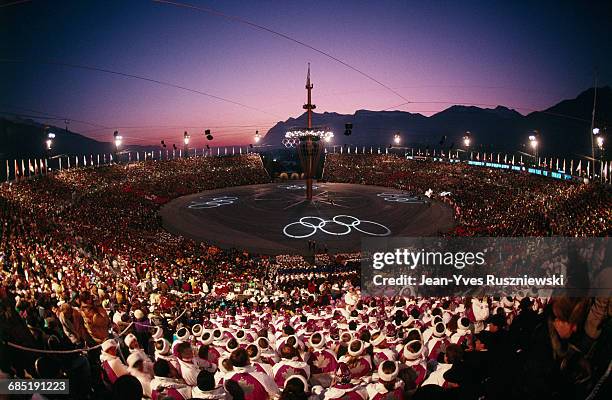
(257,137)
(49,141)
(595,131)
(600,142)
(533,141)
(186,138)
(397,138)
(467,139)
(118,139)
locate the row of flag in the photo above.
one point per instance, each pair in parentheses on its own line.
(25,168)
(554,164)
(36,167)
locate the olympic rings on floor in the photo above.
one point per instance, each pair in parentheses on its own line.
(296,187)
(401,198)
(213,203)
(320,224)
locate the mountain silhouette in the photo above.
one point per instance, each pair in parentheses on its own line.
(564,128)
(25,138)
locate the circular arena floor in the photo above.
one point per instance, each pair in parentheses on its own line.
(274,218)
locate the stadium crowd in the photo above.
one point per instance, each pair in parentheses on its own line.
(125,310)
(487,202)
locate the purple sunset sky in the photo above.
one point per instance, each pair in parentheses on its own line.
(525,56)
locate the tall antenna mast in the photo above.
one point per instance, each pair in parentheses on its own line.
(309,106)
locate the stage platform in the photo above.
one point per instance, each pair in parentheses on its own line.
(274,218)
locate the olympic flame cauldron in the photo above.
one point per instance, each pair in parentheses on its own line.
(309,146)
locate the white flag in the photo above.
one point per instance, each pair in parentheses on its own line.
(588,168)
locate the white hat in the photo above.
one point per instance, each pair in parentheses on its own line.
(463,324)
(182,334)
(241,335)
(107,344)
(159,333)
(196,330)
(387,377)
(301,378)
(409,353)
(319,345)
(409,332)
(508,302)
(207,337)
(165,346)
(352,352)
(379,339)
(344,334)
(117,317)
(217,333)
(134,358)
(139,314)
(257,352)
(439,330)
(263,347)
(227,345)
(220,365)
(129,339)
(297,342)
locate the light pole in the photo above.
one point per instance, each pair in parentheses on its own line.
(49,141)
(599,141)
(600,146)
(117,139)
(467,140)
(163,144)
(186,143)
(534,142)
(257,137)
(397,139)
